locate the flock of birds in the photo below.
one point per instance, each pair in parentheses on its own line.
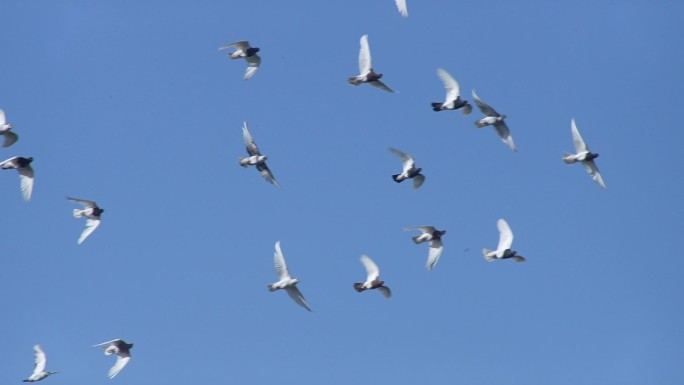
(428,234)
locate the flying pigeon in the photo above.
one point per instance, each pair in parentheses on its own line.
(494,118)
(401,6)
(255,158)
(123,352)
(503,251)
(453,99)
(366,74)
(373,280)
(432,235)
(92,212)
(39,372)
(583,155)
(409,170)
(10,137)
(23,166)
(285,281)
(244,51)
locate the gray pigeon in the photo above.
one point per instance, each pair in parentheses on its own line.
(366,73)
(23,166)
(10,136)
(372,279)
(409,169)
(255,158)
(434,237)
(453,99)
(583,155)
(503,250)
(244,51)
(122,351)
(493,118)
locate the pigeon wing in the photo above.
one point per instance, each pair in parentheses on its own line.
(250,145)
(593,170)
(484,107)
(279,261)
(425,229)
(297,296)
(505,235)
(267,174)
(40,360)
(241,45)
(252,66)
(435,251)
(365,64)
(577,140)
(3,119)
(91,225)
(381,85)
(10,138)
(385,291)
(26,179)
(371,268)
(406,159)
(418,181)
(401,6)
(86,203)
(121,361)
(505,134)
(452,88)
(112,342)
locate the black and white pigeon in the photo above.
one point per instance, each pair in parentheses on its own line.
(255,158)
(493,118)
(244,51)
(5,130)
(23,166)
(453,99)
(285,281)
(409,170)
(503,250)
(583,155)
(92,212)
(373,278)
(122,351)
(401,6)
(432,235)
(366,73)
(39,372)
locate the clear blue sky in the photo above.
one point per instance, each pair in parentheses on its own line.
(133,106)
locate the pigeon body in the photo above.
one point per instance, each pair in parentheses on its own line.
(583,155)
(255,158)
(23,166)
(122,351)
(40,361)
(409,170)
(453,99)
(366,73)
(9,136)
(373,279)
(493,118)
(434,237)
(285,281)
(92,212)
(244,51)
(503,250)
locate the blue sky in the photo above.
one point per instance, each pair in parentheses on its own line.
(133,106)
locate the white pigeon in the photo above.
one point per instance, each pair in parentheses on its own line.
(255,158)
(401,6)
(122,351)
(434,237)
(453,99)
(285,281)
(10,136)
(583,155)
(92,212)
(409,170)
(373,278)
(366,73)
(39,372)
(23,166)
(244,51)
(503,250)
(494,118)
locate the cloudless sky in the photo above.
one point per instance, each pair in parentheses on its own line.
(132,105)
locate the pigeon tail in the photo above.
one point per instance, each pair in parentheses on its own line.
(417,239)
(479,124)
(359,286)
(568,158)
(354,81)
(488,255)
(436,107)
(78,213)
(396,178)
(272,288)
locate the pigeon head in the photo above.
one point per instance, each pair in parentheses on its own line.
(591,155)
(252,50)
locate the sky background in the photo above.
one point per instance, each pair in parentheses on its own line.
(132,105)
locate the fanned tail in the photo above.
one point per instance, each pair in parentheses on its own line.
(78,213)
(488,255)
(358,286)
(437,107)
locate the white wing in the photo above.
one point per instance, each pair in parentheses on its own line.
(279,261)
(86,203)
(505,235)
(434,253)
(424,229)
(250,145)
(452,88)
(505,134)
(297,296)
(418,181)
(401,6)
(365,64)
(241,45)
(252,66)
(40,360)
(10,138)
(3,119)
(107,343)
(91,225)
(593,170)
(26,179)
(577,140)
(371,268)
(121,361)
(406,159)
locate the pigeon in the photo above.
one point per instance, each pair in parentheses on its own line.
(39,372)
(583,155)
(373,280)
(401,6)
(244,51)
(122,350)
(23,165)
(432,235)
(285,281)
(453,99)
(409,170)
(503,251)
(92,212)
(494,118)
(255,158)
(10,137)
(366,74)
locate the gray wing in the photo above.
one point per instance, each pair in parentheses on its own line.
(505,235)
(418,181)
(279,262)
(593,170)
(365,64)
(26,181)
(385,291)
(91,225)
(577,140)
(484,107)
(252,66)
(267,174)
(86,203)
(434,252)
(121,361)
(381,85)
(452,88)
(40,360)
(505,134)
(297,296)
(241,45)
(425,229)
(10,138)
(250,145)
(401,6)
